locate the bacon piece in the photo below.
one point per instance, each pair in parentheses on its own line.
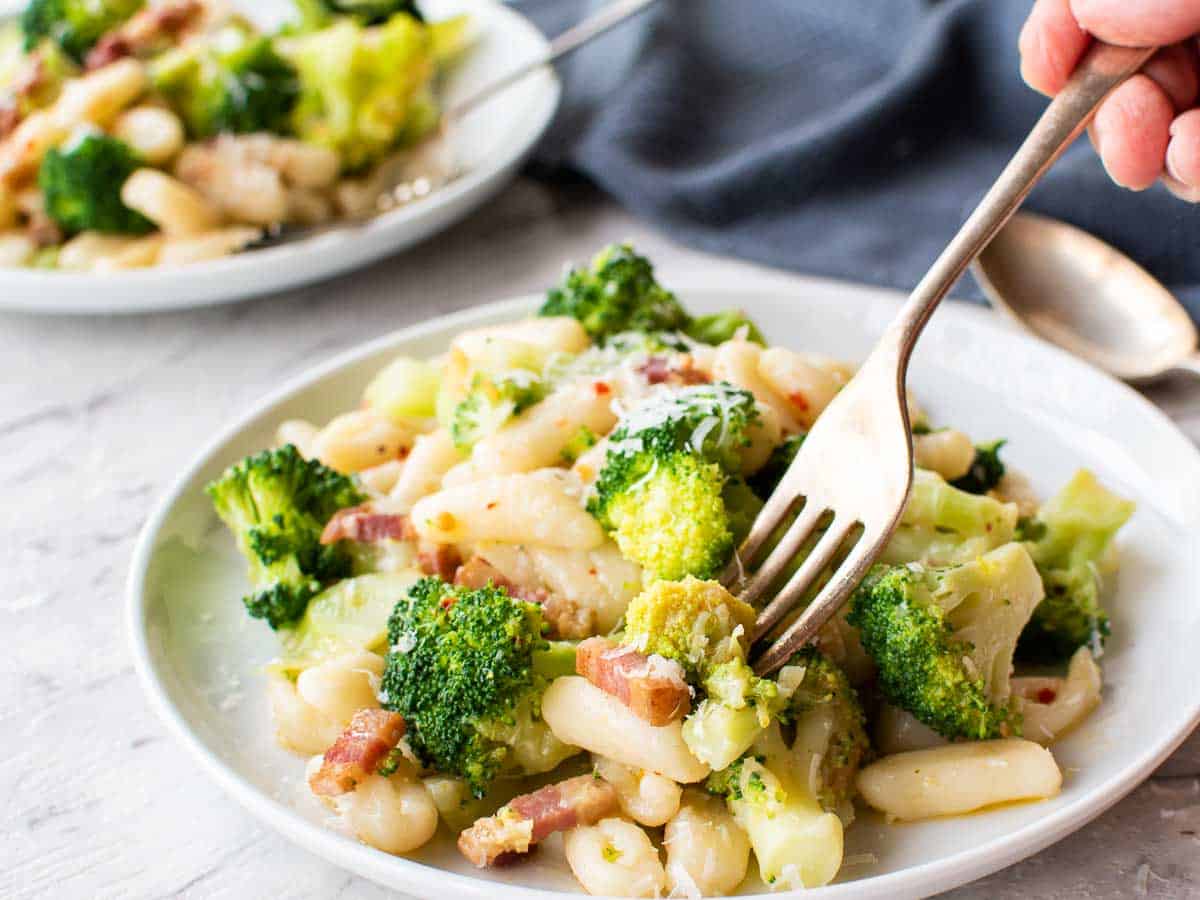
(653,687)
(146,32)
(361,523)
(583,800)
(658,370)
(477,572)
(441,560)
(371,735)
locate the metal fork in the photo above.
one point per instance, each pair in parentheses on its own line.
(855,468)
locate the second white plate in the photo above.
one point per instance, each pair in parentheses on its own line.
(491,144)
(200,657)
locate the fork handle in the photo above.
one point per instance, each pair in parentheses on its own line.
(1103,69)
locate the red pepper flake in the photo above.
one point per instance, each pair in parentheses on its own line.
(799,401)
(492,505)
(592,570)
(601,388)
(447,602)
(1046,695)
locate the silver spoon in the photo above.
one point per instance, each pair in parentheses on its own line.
(422,169)
(1072,289)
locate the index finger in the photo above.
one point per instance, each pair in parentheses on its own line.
(1051,45)
(1145,23)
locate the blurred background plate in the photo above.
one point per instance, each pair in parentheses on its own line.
(491,144)
(200,657)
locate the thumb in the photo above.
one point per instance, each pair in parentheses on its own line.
(1138,23)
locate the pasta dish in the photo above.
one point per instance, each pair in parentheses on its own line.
(497,589)
(139,135)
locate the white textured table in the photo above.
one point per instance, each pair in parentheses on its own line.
(97,416)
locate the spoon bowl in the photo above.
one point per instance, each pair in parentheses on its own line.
(1072,289)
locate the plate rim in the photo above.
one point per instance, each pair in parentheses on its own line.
(930,877)
(35,289)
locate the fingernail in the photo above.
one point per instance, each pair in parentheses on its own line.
(1171,161)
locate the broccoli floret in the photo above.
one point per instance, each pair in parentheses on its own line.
(75,25)
(276,503)
(491,402)
(986,470)
(716,328)
(319,13)
(363,90)
(81,184)
(233,81)
(829,725)
(943,525)
(1069,540)
(661,490)
(462,671)
(617,293)
(765,480)
(943,639)
(743,506)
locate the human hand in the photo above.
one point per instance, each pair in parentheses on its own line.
(1150,127)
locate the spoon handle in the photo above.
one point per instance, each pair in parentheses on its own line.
(1104,68)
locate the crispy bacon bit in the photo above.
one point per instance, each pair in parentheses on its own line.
(658,370)
(43,230)
(147,31)
(477,572)
(441,560)
(652,687)
(361,523)
(583,800)
(10,117)
(371,735)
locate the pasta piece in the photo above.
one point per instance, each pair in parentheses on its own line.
(136,254)
(959,778)
(154,133)
(761,439)
(299,726)
(171,205)
(947,452)
(16,249)
(806,388)
(360,440)
(707,851)
(537,437)
(646,797)
(242,189)
(1051,707)
(581,714)
(395,814)
(593,587)
(540,508)
(22,151)
(306,206)
(381,479)
(207,245)
(432,456)
(340,687)
(737,362)
(87,249)
(99,96)
(615,858)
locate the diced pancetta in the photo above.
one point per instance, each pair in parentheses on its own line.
(363,524)
(583,800)
(653,687)
(371,735)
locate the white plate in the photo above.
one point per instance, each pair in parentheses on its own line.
(491,143)
(199,655)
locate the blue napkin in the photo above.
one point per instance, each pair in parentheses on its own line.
(846,138)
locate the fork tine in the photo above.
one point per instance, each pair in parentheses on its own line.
(804,576)
(784,552)
(769,518)
(824,606)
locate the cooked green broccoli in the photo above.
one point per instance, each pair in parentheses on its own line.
(716,328)
(319,13)
(660,491)
(986,470)
(943,525)
(1069,540)
(276,503)
(582,441)
(491,402)
(463,671)
(707,630)
(617,293)
(770,792)
(363,90)
(233,81)
(766,479)
(81,184)
(943,638)
(743,506)
(75,25)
